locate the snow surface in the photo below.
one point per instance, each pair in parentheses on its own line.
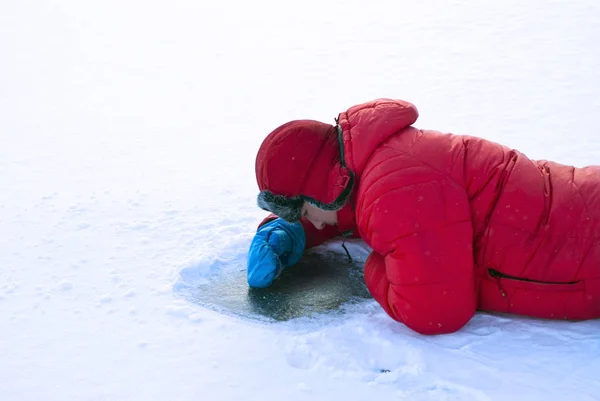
(128,133)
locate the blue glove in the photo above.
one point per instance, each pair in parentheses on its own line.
(276,245)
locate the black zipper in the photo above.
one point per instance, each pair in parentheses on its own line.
(496,274)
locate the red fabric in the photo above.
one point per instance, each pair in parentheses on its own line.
(459,224)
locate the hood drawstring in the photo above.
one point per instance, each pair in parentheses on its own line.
(344,235)
(346,249)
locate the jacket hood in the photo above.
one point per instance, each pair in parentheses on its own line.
(366,126)
(302,161)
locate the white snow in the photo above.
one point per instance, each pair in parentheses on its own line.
(128,131)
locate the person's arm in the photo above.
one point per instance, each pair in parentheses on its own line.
(314,237)
(278,244)
(421,270)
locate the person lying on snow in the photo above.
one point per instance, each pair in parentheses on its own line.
(456,223)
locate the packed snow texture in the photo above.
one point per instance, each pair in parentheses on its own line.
(128,135)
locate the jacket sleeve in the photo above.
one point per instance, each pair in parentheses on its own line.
(314,237)
(421,268)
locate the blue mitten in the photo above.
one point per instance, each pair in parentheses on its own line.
(276,245)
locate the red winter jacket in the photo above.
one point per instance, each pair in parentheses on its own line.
(459,224)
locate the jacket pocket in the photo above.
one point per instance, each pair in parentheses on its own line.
(532,285)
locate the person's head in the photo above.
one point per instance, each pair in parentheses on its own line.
(300,171)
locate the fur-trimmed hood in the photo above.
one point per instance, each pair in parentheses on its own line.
(300,161)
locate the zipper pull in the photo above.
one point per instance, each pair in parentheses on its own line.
(496,275)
